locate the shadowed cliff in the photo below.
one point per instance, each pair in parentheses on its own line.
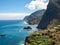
(52,12)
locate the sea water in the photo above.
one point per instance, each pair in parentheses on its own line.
(14,32)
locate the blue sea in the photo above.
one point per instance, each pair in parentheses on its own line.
(14,32)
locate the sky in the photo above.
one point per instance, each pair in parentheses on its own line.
(16,9)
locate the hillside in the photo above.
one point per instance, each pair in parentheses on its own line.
(35,17)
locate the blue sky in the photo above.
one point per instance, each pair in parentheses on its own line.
(16,9)
(12,6)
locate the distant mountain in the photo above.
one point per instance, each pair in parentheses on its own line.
(52,13)
(35,17)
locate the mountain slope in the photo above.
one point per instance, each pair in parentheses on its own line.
(35,17)
(52,12)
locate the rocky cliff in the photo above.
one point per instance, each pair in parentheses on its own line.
(52,12)
(51,21)
(35,17)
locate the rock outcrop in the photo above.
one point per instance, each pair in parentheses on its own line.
(28,28)
(35,17)
(52,12)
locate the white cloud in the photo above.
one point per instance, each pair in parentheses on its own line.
(37,4)
(12,16)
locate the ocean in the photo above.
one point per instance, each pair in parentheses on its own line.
(14,32)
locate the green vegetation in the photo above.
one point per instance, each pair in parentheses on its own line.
(43,38)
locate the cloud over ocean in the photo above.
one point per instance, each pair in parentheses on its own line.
(12,16)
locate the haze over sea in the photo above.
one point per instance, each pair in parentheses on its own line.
(13,31)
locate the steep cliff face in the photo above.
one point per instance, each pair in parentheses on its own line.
(52,12)
(35,17)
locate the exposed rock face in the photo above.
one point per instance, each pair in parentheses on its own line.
(35,17)
(2,35)
(52,12)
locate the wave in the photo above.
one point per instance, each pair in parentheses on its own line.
(25,22)
(11,25)
(22,44)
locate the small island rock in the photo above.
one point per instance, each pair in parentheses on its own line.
(28,27)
